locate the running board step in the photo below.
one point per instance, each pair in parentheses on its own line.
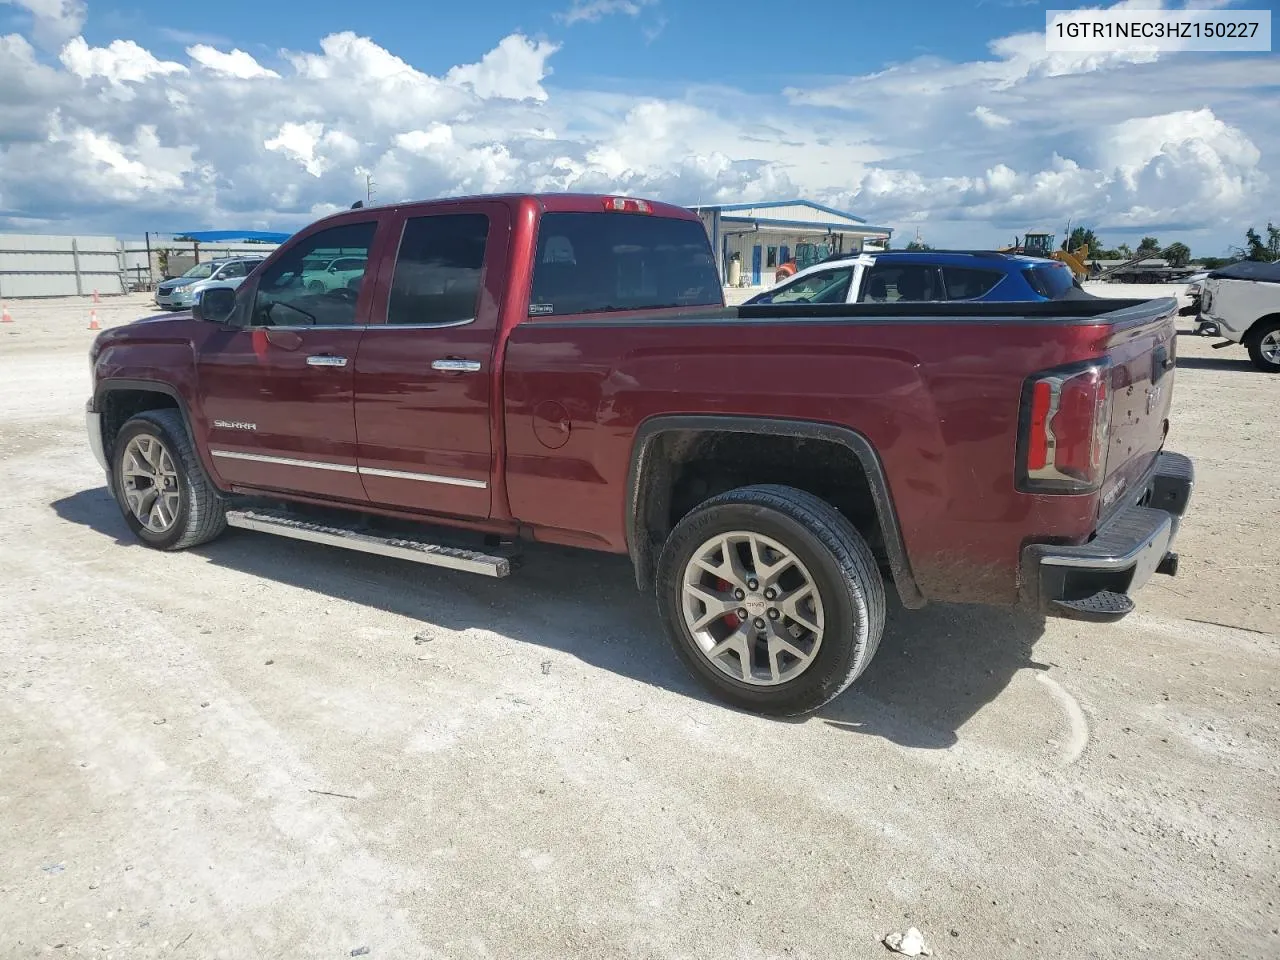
(1105,606)
(418,551)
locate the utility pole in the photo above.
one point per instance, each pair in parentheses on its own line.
(368,187)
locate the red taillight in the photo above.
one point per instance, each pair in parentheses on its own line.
(1064,446)
(627,205)
(1038,439)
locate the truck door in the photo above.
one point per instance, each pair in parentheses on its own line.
(276,394)
(424,374)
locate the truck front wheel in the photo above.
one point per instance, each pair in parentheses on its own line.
(771,598)
(165,497)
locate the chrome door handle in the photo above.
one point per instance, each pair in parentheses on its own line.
(456,366)
(325,360)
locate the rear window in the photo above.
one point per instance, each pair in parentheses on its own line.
(1054,281)
(965,284)
(598,262)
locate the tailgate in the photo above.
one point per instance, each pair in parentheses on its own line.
(1142,375)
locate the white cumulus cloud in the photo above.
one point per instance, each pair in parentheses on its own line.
(236,64)
(53,21)
(123,61)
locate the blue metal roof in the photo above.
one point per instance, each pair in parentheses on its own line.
(781,203)
(224,236)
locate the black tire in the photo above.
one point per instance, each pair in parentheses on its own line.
(843,570)
(1254,342)
(200,516)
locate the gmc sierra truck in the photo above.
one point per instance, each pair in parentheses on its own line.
(563,369)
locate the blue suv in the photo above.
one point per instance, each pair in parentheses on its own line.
(928,277)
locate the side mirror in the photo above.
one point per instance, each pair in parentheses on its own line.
(217,305)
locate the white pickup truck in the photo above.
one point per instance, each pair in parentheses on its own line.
(1242,303)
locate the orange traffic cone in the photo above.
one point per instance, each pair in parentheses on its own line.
(93,320)
(4,313)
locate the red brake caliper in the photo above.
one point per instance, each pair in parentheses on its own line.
(731,619)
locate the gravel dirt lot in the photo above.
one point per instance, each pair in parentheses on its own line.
(265,748)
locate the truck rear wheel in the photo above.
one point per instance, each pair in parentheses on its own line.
(771,598)
(165,497)
(1264,346)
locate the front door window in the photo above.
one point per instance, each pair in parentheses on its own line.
(317,283)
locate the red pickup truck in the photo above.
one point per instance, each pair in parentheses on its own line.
(563,369)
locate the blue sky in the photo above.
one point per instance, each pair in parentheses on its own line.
(662,43)
(949,118)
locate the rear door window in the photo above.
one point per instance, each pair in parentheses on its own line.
(963,283)
(438,270)
(1053,280)
(600,262)
(907,283)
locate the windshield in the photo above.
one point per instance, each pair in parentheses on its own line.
(201,270)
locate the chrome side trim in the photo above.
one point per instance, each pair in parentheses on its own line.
(421,326)
(418,551)
(305,326)
(424,477)
(348,468)
(93,423)
(283,461)
(326,360)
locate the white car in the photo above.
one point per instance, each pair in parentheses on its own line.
(181,292)
(1242,301)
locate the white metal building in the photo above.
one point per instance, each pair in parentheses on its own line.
(754,239)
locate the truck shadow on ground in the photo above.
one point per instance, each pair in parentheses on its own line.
(935,668)
(1216,363)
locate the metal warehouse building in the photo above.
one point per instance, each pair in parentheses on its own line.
(753,239)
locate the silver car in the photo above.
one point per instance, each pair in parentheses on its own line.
(180,292)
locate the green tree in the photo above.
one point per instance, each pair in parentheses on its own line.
(1147,244)
(1178,254)
(1254,248)
(918,246)
(1273,240)
(1125,251)
(1079,237)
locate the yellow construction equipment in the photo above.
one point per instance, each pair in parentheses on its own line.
(1040,244)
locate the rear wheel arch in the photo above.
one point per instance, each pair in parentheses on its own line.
(658,493)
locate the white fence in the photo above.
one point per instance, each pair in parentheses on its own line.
(43,266)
